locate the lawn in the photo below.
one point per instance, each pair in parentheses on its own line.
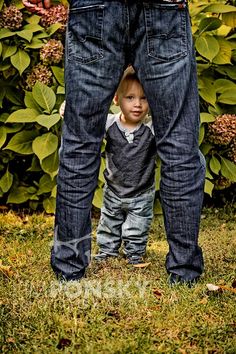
(117,308)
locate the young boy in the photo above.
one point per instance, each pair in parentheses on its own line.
(130,170)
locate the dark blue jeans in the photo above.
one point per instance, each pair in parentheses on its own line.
(102,38)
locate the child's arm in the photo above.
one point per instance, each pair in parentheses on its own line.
(62,109)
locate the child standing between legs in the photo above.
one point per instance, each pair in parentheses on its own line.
(129,191)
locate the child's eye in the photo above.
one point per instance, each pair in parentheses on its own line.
(143,98)
(129,97)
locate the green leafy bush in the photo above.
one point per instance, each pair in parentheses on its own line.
(213,25)
(32,90)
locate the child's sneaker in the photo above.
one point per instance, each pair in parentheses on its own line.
(135,259)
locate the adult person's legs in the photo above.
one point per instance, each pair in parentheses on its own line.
(164,60)
(155,37)
(94,64)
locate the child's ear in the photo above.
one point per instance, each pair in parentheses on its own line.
(116,100)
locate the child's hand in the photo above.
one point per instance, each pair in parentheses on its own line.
(62,109)
(37,6)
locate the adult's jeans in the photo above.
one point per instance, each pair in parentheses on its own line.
(102,38)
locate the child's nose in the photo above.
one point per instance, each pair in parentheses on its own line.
(138,102)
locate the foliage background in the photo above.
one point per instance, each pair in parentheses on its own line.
(32,90)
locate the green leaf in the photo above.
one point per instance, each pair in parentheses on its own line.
(220,8)
(228,96)
(207,46)
(59,74)
(157,209)
(208,188)
(50,164)
(44,96)
(1,4)
(35,44)
(22,142)
(4,67)
(20,60)
(209,24)
(98,198)
(18,195)
(13,95)
(6,181)
(45,145)
(54,191)
(3,136)
(60,90)
(27,115)
(8,51)
(33,27)
(207,90)
(208,173)
(53,28)
(228,169)
(215,165)
(26,34)
(45,184)
(49,205)
(225,53)
(115,109)
(222,85)
(205,148)
(41,35)
(223,31)
(2,95)
(201,134)
(228,70)
(229,19)
(33,19)
(0,48)
(48,120)
(13,128)
(35,165)
(101,170)
(5,33)
(30,102)
(206,117)
(3,117)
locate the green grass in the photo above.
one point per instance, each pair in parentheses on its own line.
(117,308)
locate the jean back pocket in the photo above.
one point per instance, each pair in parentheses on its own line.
(166,26)
(85,32)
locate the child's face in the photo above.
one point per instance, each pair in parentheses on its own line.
(133,103)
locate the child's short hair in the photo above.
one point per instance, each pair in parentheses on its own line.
(129,75)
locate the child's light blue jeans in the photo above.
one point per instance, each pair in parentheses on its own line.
(127,220)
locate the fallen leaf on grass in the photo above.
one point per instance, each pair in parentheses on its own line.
(219,288)
(141,265)
(153,308)
(6,270)
(204,301)
(63,342)
(157,293)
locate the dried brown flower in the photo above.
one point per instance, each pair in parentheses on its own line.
(223,130)
(11,18)
(52,52)
(55,14)
(40,73)
(232,151)
(222,183)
